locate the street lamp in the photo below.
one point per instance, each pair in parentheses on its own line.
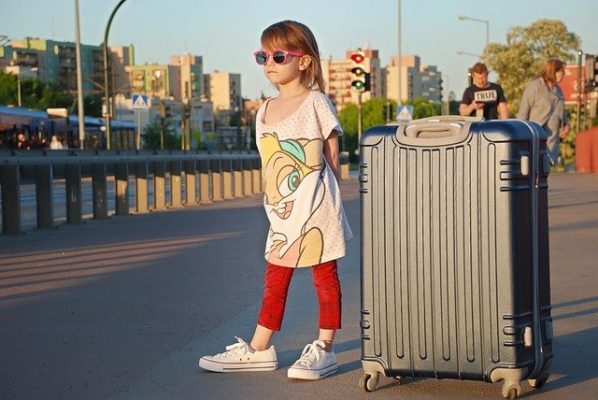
(106,74)
(466,53)
(463,18)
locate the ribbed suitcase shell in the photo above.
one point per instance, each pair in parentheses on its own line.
(454,238)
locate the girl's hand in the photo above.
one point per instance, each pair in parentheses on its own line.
(564,131)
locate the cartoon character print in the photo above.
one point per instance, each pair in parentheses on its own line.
(291,172)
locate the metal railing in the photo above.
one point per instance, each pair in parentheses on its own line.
(201,177)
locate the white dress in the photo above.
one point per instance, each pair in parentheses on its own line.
(308,225)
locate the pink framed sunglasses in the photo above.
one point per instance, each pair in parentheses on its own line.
(279,56)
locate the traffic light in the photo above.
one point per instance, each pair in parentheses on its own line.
(591,71)
(361,78)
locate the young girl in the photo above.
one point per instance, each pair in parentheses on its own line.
(297,137)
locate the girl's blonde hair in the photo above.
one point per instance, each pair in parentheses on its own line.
(551,67)
(295,36)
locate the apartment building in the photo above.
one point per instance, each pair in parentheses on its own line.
(224,90)
(57,61)
(151,79)
(431,81)
(416,79)
(187,83)
(178,87)
(120,58)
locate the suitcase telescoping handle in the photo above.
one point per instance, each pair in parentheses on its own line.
(443,130)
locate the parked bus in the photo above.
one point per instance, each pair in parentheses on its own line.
(23,128)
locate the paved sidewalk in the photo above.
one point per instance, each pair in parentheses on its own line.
(123,308)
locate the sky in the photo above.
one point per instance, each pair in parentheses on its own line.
(226,32)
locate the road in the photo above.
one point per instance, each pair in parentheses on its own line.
(122,309)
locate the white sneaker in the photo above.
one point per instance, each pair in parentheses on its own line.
(314,363)
(240,357)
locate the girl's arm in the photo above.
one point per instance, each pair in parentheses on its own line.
(331,154)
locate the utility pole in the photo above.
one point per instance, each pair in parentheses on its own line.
(162,123)
(399,54)
(359,118)
(186,137)
(80,107)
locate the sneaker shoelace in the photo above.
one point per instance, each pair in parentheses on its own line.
(311,353)
(239,348)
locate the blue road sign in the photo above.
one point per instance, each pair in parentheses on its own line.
(140,102)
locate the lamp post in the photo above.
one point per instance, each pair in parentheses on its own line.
(466,53)
(399,38)
(464,17)
(80,103)
(448,100)
(106,74)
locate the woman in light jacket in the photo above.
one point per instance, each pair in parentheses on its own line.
(543,103)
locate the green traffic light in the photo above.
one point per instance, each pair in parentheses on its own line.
(358,85)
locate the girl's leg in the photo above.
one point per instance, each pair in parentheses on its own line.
(261,338)
(327,336)
(276,287)
(325,277)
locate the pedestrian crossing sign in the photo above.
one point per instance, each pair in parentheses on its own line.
(404,113)
(140,102)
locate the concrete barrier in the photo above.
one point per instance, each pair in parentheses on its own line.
(207,178)
(217,178)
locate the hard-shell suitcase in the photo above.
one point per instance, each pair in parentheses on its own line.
(454,268)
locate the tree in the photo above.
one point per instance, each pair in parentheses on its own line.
(525,52)
(151,136)
(423,108)
(93,105)
(373,114)
(34,93)
(53,96)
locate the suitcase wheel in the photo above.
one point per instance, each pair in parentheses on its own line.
(510,391)
(537,383)
(368,382)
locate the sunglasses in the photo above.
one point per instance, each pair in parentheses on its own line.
(279,56)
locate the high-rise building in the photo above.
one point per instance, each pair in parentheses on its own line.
(417,80)
(224,90)
(57,61)
(120,58)
(188,83)
(431,80)
(153,80)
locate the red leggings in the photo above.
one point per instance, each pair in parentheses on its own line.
(276,288)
